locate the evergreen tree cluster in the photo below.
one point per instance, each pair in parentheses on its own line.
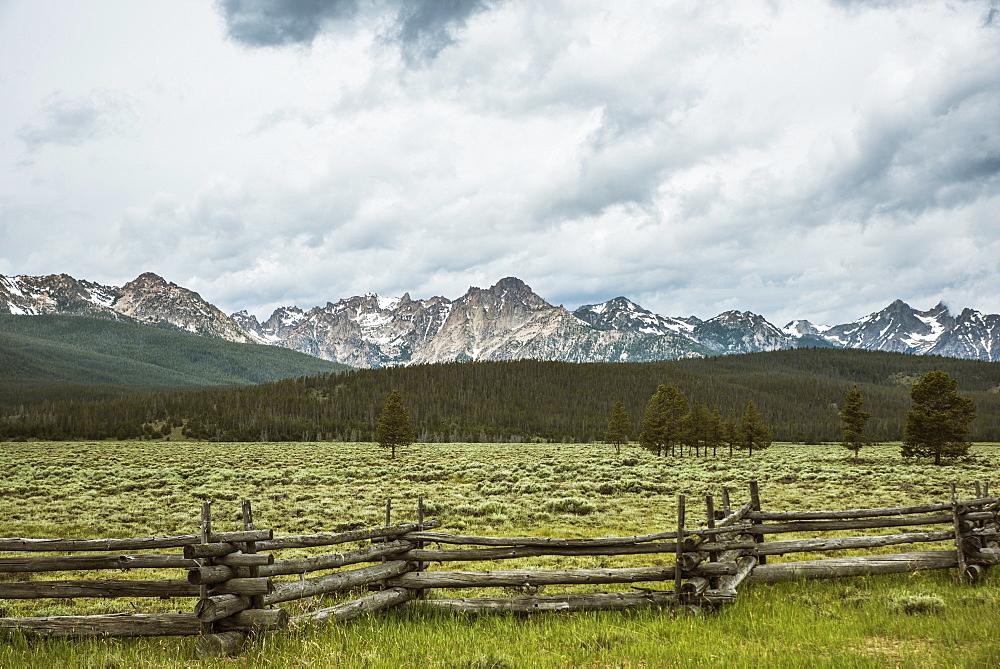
(668,425)
(799,394)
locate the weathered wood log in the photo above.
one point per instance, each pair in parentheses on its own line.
(244,586)
(209,550)
(986,556)
(733,518)
(745,566)
(550,542)
(694,587)
(332,561)
(858,524)
(959,536)
(39,563)
(114,624)
(371,533)
(596,601)
(501,553)
(256,620)
(864,513)
(284,592)
(46,589)
(688,561)
(975,572)
(855,566)
(848,543)
(245,559)
(525,577)
(210,574)
(535,541)
(207,627)
(678,552)
(757,536)
(971,544)
(217,607)
(129,544)
(250,548)
(218,645)
(355,608)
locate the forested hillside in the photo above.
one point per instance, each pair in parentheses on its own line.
(798,392)
(75,357)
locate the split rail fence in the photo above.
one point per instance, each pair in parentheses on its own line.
(234,577)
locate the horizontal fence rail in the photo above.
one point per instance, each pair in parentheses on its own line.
(239,582)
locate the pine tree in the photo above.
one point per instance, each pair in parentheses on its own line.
(618,427)
(752,432)
(731,431)
(662,424)
(651,436)
(715,434)
(855,419)
(393,428)
(939,421)
(698,427)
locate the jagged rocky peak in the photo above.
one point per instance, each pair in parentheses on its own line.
(509,290)
(246,320)
(741,332)
(623,314)
(801,328)
(149,281)
(55,294)
(150,298)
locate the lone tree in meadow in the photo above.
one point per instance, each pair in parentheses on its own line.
(393,429)
(618,427)
(855,419)
(752,431)
(938,423)
(663,422)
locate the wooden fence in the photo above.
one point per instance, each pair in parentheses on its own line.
(235,578)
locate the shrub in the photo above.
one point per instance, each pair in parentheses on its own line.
(574,505)
(914,604)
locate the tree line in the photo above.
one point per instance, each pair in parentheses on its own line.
(799,395)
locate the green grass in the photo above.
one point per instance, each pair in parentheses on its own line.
(136,488)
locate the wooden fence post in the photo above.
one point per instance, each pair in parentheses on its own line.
(206,537)
(678,576)
(710,513)
(959,536)
(755,505)
(420,594)
(256,601)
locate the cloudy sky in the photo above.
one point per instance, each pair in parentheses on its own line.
(795,158)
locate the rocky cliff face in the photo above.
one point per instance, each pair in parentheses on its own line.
(503,322)
(148,299)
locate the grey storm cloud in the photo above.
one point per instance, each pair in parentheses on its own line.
(264,23)
(73,121)
(422,28)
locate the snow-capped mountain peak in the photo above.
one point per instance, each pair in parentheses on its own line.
(505,321)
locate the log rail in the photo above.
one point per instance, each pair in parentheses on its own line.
(230,573)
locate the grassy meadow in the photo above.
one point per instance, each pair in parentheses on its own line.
(106,489)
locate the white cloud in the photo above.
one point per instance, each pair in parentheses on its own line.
(798,159)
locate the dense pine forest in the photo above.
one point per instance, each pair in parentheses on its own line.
(798,392)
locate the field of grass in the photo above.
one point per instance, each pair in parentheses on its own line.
(142,488)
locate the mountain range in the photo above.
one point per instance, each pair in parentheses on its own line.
(504,322)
